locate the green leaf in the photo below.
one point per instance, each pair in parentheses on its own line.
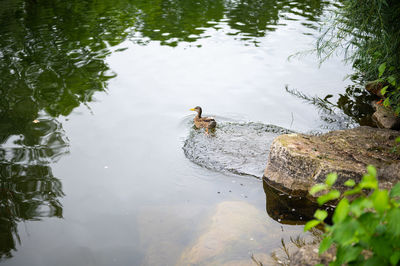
(383,90)
(393,221)
(317,188)
(380,199)
(381,246)
(356,190)
(350,183)
(369,221)
(348,254)
(380,229)
(351,253)
(371,170)
(331,195)
(392,80)
(311,224)
(373,261)
(386,102)
(321,215)
(395,191)
(325,244)
(345,233)
(394,259)
(341,211)
(381,69)
(369,180)
(358,205)
(397,140)
(331,179)
(339,256)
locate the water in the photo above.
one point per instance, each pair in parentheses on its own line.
(94,100)
(239,148)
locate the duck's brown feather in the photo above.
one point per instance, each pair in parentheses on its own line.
(205,122)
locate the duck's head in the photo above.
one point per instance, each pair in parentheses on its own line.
(197,109)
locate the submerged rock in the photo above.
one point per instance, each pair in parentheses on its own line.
(308,256)
(232,230)
(298,161)
(385,118)
(237,233)
(239,148)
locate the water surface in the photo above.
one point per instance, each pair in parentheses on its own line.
(94,100)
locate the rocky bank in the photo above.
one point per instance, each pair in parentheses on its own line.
(299,161)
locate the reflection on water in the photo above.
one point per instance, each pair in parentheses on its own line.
(351,109)
(287,209)
(53,59)
(171,22)
(28,188)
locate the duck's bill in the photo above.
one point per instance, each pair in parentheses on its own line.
(192,109)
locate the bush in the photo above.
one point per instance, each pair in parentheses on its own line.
(369,33)
(366,221)
(391,90)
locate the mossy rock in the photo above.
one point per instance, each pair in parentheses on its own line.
(299,161)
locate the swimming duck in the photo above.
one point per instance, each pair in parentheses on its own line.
(203,122)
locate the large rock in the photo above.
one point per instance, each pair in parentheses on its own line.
(385,118)
(234,229)
(298,161)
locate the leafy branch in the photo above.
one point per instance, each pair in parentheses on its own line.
(366,221)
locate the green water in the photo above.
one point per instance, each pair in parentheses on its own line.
(94,99)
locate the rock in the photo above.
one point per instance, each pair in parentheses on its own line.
(375,88)
(233,229)
(385,118)
(308,256)
(298,161)
(237,233)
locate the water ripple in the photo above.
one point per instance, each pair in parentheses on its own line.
(239,148)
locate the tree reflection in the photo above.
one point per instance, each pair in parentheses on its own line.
(28,189)
(174,21)
(52,60)
(257,17)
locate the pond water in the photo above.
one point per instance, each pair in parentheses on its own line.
(95,99)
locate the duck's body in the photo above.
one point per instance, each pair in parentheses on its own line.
(203,122)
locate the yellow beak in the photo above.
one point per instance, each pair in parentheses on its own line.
(192,109)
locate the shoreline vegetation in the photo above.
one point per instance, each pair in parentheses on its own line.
(364,228)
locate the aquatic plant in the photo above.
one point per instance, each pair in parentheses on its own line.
(366,221)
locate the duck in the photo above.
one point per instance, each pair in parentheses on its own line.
(203,122)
